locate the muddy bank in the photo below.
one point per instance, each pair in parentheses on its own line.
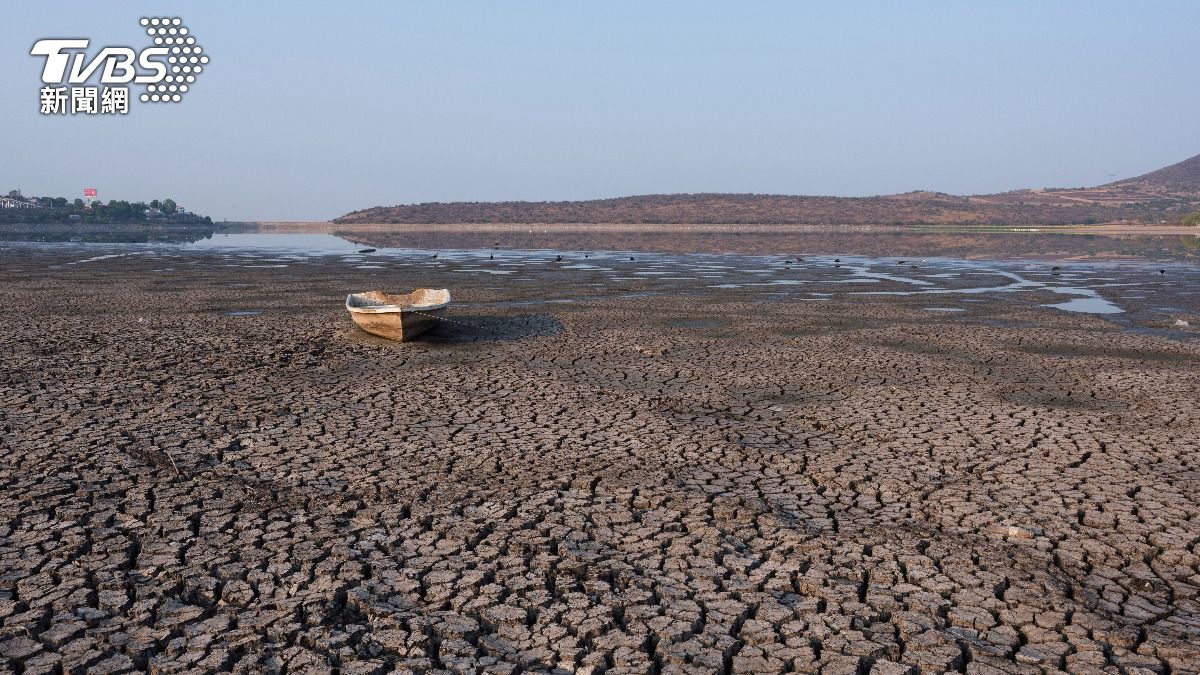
(207,467)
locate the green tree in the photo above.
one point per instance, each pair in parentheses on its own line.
(1192,219)
(78,203)
(155,204)
(169,206)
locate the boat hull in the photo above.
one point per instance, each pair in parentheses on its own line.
(399,326)
(398,317)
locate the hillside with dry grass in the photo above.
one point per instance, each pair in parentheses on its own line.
(1164,195)
(1178,179)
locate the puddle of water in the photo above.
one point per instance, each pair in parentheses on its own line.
(943,309)
(101,257)
(242,312)
(1088,302)
(1095,305)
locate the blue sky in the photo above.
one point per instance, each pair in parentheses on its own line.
(308,110)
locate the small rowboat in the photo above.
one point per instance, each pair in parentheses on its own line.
(398,317)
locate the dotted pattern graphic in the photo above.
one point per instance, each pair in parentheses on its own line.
(185,61)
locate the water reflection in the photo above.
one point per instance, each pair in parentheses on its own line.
(105,234)
(306,243)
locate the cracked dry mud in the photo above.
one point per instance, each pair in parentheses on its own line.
(672,484)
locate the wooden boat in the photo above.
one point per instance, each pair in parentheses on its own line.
(398,317)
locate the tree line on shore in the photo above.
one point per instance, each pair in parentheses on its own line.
(63,210)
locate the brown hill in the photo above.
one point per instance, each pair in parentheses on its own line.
(1164,195)
(1178,179)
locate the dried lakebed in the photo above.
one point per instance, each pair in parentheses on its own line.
(205,467)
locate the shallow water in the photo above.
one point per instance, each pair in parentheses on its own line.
(1093,287)
(303,243)
(1092,305)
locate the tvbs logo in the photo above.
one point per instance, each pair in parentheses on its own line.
(168,68)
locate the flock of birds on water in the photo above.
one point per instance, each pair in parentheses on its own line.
(837,262)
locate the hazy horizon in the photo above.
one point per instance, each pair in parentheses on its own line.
(309,111)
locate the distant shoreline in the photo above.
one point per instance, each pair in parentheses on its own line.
(1110,229)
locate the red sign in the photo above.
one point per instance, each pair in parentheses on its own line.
(89,192)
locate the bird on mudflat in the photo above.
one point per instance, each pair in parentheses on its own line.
(1162,272)
(902,262)
(491,257)
(837,260)
(558,258)
(434,257)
